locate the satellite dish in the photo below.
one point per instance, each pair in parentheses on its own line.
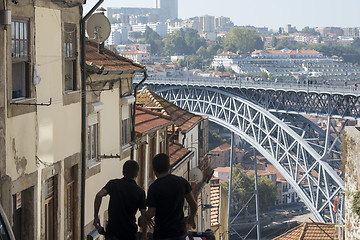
(98,27)
(196,175)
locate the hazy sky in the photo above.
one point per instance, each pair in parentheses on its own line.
(270,13)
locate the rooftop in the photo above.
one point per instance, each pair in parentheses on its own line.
(177,152)
(107,60)
(311,230)
(183,119)
(146,120)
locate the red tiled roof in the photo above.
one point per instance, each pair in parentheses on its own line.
(146,120)
(309,231)
(176,153)
(222,169)
(107,60)
(133,52)
(183,119)
(227,54)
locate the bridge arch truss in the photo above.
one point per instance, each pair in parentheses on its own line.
(314,180)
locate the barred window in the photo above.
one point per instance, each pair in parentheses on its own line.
(20,58)
(70,55)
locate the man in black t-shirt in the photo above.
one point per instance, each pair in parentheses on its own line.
(166,201)
(126,197)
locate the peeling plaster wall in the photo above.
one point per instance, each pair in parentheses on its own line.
(20,145)
(351,158)
(51,133)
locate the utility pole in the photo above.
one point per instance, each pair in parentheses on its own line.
(256,197)
(230,183)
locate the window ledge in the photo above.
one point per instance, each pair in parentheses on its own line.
(93,163)
(23,100)
(70,97)
(69,92)
(21,106)
(126,147)
(93,168)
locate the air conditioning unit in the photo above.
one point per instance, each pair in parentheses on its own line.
(127,100)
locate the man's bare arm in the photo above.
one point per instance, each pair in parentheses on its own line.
(97,203)
(193,208)
(150,213)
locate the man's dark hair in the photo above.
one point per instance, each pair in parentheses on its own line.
(130,169)
(161,163)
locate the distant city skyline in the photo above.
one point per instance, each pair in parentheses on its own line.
(259,13)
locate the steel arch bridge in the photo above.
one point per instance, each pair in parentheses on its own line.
(295,150)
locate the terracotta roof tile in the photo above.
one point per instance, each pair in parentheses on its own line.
(107,60)
(183,119)
(222,169)
(227,54)
(146,120)
(309,231)
(177,152)
(133,52)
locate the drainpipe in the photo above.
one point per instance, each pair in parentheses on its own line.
(183,140)
(83,116)
(133,117)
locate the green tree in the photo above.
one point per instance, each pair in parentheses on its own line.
(356,43)
(290,44)
(243,40)
(193,41)
(155,40)
(213,49)
(221,68)
(215,140)
(274,41)
(244,184)
(202,52)
(174,43)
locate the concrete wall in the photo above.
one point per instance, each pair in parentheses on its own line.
(351,161)
(38,142)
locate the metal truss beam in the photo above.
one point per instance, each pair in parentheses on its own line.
(314,180)
(290,98)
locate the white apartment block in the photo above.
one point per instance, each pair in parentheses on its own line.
(160,28)
(119,34)
(226,59)
(137,56)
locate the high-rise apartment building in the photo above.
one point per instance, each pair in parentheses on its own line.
(169,9)
(208,23)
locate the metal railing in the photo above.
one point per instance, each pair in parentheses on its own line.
(335,88)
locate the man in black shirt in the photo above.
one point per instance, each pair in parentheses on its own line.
(166,201)
(126,197)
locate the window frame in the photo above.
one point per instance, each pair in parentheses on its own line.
(50,204)
(126,132)
(70,203)
(93,139)
(20,36)
(70,55)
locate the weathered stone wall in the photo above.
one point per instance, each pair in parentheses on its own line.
(351,163)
